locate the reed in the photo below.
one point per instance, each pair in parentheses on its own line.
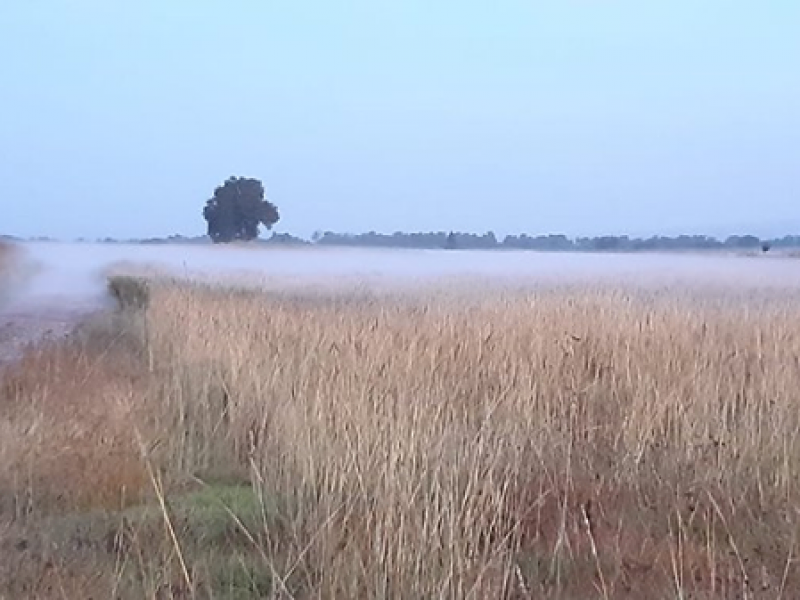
(566,442)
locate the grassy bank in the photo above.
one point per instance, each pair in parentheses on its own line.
(567,443)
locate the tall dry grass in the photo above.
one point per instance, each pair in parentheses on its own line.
(565,443)
(492,447)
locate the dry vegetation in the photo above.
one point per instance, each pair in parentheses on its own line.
(568,443)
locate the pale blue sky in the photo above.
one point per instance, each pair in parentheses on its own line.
(581,117)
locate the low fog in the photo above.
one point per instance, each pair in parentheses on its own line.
(72,276)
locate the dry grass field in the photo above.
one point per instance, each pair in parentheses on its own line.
(559,443)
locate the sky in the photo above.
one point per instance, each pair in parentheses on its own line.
(582,117)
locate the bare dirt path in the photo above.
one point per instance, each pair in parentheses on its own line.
(39,302)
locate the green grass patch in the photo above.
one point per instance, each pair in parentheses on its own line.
(240,577)
(217,514)
(216,526)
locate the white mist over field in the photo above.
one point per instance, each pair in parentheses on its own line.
(53,286)
(73,275)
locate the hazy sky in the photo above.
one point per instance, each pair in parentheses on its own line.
(577,117)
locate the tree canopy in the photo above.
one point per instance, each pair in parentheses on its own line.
(237,209)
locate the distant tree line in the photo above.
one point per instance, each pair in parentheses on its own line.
(425,241)
(283,239)
(489,241)
(553,243)
(239,208)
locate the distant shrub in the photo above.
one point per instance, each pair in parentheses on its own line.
(129,292)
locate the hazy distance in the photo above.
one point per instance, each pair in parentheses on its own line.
(574,117)
(73,277)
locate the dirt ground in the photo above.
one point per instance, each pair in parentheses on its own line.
(20,328)
(27,319)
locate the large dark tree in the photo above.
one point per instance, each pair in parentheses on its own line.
(237,210)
